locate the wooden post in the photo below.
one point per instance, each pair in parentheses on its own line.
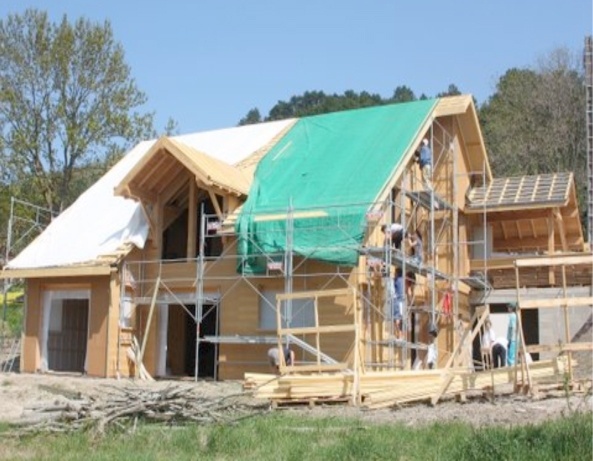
(524,364)
(356,397)
(551,277)
(148,321)
(317,334)
(192,220)
(568,339)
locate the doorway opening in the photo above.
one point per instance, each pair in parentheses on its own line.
(182,334)
(67,335)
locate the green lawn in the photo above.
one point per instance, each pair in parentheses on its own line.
(281,436)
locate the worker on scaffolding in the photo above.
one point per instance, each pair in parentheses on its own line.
(415,243)
(397,303)
(394,234)
(432,354)
(425,163)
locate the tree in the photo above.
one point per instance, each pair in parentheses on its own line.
(535,123)
(67,101)
(253,116)
(452,90)
(403,94)
(317,102)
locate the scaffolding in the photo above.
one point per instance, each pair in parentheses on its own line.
(25,222)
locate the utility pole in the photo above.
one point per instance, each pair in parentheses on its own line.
(588,62)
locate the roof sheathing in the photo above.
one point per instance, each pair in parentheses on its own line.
(539,191)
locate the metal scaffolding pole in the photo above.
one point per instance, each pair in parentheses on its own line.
(200,289)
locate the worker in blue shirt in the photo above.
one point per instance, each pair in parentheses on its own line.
(425,162)
(397,303)
(512,334)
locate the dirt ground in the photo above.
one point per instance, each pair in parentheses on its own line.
(21,395)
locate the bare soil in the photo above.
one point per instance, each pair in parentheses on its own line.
(22,395)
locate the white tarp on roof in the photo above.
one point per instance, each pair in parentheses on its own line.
(98,222)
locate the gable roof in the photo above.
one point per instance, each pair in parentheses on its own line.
(82,236)
(334,166)
(167,158)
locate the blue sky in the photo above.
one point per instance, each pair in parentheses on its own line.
(205,63)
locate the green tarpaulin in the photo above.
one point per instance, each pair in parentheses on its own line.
(320,179)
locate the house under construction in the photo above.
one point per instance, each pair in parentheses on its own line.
(196,254)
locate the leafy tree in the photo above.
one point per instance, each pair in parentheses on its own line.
(452,90)
(403,94)
(534,122)
(172,127)
(67,101)
(253,116)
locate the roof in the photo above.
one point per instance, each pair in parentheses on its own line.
(544,190)
(324,165)
(307,170)
(169,158)
(548,208)
(82,236)
(462,107)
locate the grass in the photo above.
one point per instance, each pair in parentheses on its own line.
(281,436)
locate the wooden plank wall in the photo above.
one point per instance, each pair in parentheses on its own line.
(98,320)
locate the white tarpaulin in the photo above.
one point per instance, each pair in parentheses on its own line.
(99,223)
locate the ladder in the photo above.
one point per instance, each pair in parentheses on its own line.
(13,352)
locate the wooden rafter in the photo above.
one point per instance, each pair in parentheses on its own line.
(215,204)
(504,230)
(561,230)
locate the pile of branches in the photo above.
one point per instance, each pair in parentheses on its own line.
(123,408)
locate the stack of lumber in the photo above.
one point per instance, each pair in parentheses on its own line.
(390,388)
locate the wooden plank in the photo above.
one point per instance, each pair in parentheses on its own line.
(192,221)
(72,271)
(582,259)
(536,348)
(284,216)
(585,301)
(320,329)
(309,368)
(314,294)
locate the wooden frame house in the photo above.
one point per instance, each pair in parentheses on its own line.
(234,241)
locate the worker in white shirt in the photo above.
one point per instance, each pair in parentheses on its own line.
(394,233)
